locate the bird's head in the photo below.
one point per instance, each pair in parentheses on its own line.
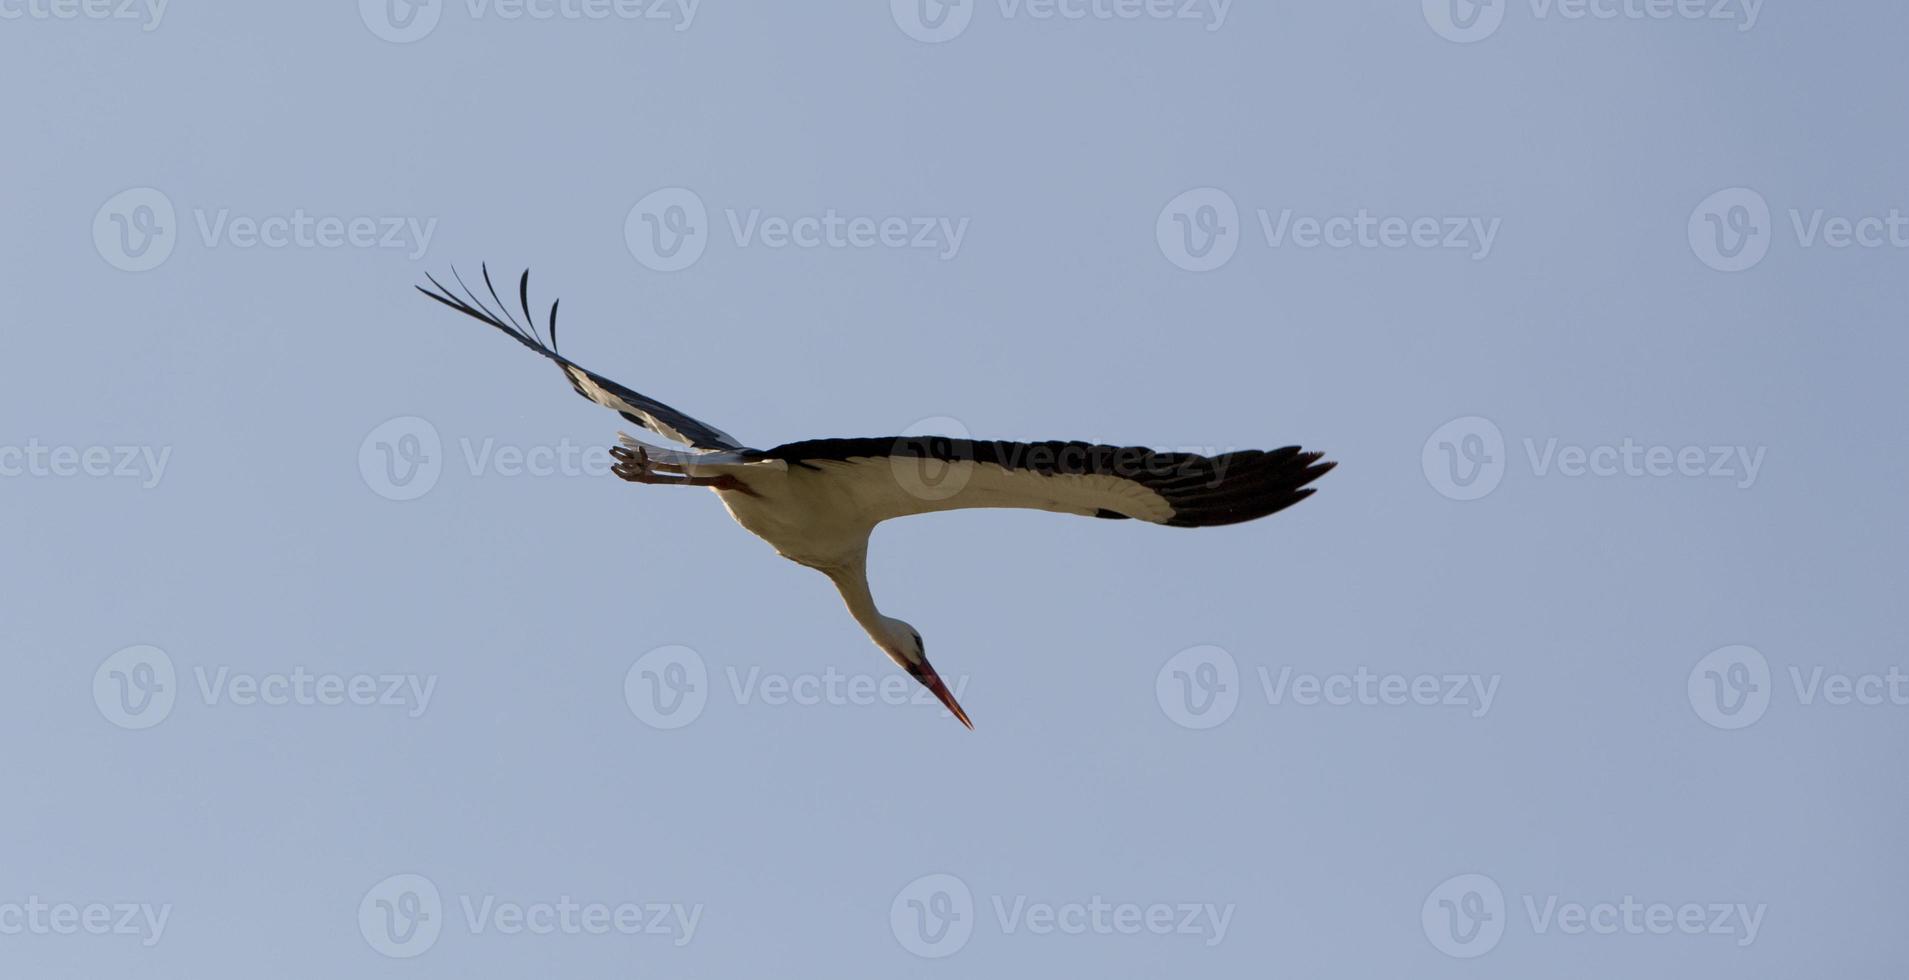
(903,645)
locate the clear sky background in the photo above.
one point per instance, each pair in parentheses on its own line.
(586,673)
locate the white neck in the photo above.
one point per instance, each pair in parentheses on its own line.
(851,579)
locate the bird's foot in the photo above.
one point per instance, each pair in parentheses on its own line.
(634,465)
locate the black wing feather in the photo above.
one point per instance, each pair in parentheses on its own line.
(638,409)
(1204,491)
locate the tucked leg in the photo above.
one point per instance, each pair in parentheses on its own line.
(635,466)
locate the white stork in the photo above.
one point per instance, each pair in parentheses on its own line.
(817,501)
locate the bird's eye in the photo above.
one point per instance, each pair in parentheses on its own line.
(920,647)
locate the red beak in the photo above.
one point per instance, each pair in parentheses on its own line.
(925,673)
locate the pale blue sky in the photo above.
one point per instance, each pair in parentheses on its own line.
(1632,678)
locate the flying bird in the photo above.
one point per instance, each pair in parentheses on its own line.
(817,501)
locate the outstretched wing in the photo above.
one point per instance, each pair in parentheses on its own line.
(646,412)
(903,475)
